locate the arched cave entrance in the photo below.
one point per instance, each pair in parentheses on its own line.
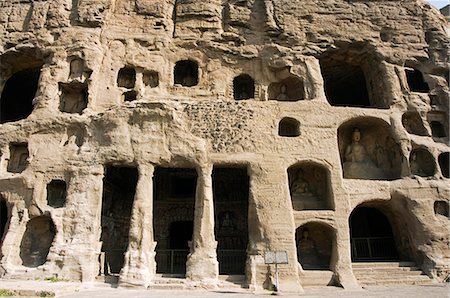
(36,241)
(16,101)
(351,77)
(316,246)
(119,187)
(174,192)
(231,192)
(371,236)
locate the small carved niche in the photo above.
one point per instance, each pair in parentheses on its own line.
(126,77)
(415,80)
(290,89)
(309,187)
(289,127)
(422,163)
(76,69)
(151,78)
(368,151)
(74,97)
(444,164)
(18,160)
(413,124)
(441,208)
(56,193)
(243,87)
(130,95)
(186,73)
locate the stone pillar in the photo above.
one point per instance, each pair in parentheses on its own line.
(343,270)
(202,264)
(139,263)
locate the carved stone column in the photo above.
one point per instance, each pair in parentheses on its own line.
(202,264)
(139,263)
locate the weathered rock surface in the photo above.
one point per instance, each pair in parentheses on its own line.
(106,97)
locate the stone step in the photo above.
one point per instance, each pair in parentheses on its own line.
(383,264)
(167,287)
(313,278)
(385,282)
(383,273)
(232,281)
(389,273)
(387,269)
(107,279)
(165,281)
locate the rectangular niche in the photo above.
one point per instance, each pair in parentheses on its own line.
(18,158)
(74,97)
(56,193)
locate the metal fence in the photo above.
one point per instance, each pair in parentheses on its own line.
(171,261)
(231,261)
(374,248)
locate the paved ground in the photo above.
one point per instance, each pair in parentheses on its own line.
(432,291)
(76,290)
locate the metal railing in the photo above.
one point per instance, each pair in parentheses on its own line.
(171,261)
(231,261)
(373,248)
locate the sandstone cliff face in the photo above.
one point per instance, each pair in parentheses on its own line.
(149,83)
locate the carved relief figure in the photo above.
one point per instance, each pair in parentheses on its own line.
(308,192)
(358,164)
(307,253)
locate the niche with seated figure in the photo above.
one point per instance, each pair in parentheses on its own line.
(56,193)
(352,78)
(36,241)
(413,124)
(444,161)
(422,163)
(16,100)
(290,89)
(289,127)
(18,158)
(316,245)
(368,150)
(309,187)
(243,87)
(74,97)
(186,73)
(416,82)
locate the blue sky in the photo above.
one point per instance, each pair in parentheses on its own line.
(439,3)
